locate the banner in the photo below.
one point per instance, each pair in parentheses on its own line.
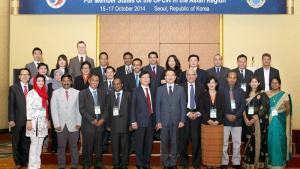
(152,7)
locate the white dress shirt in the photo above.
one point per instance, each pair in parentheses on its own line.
(267,79)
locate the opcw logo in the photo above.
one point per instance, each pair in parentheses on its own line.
(55,3)
(256,3)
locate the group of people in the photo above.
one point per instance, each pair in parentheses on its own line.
(135,104)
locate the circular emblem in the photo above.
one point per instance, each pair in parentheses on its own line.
(55,3)
(256,3)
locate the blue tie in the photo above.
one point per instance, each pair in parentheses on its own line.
(95,98)
(192,97)
(118,99)
(137,80)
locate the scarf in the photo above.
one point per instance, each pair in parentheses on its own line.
(43,94)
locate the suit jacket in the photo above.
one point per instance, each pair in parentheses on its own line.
(32,68)
(79,83)
(17,104)
(155,80)
(240,103)
(53,70)
(121,123)
(63,111)
(179,76)
(121,73)
(202,76)
(98,71)
(260,74)
(129,83)
(104,87)
(221,76)
(170,109)
(87,110)
(74,65)
(218,105)
(139,108)
(241,79)
(199,91)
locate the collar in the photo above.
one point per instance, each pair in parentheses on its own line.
(84,56)
(22,84)
(92,90)
(121,92)
(170,84)
(189,84)
(145,87)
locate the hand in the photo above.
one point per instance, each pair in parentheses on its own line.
(58,129)
(94,122)
(11,124)
(216,123)
(252,121)
(158,126)
(108,129)
(191,115)
(210,122)
(180,125)
(77,126)
(229,117)
(255,117)
(49,124)
(100,122)
(196,115)
(29,125)
(134,125)
(163,81)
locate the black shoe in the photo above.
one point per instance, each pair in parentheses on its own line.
(61,168)
(165,167)
(223,166)
(236,166)
(196,167)
(139,167)
(98,167)
(173,167)
(73,168)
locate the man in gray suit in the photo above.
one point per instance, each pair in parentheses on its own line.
(170,115)
(75,62)
(219,71)
(37,57)
(66,120)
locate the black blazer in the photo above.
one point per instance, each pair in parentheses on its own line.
(87,110)
(79,83)
(139,108)
(202,76)
(17,104)
(260,74)
(179,76)
(104,87)
(221,76)
(121,123)
(53,70)
(199,91)
(129,83)
(218,105)
(98,71)
(155,80)
(246,79)
(121,73)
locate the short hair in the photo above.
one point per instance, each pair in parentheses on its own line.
(231,71)
(64,57)
(42,76)
(266,55)
(127,53)
(137,59)
(118,79)
(170,70)
(93,74)
(177,63)
(153,53)
(241,56)
(110,67)
(22,69)
(193,56)
(85,63)
(103,53)
(80,42)
(37,49)
(208,81)
(66,76)
(43,64)
(143,73)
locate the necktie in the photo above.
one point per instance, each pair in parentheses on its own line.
(218,70)
(242,73)
(153,71)
(25,91)
(192,97)
(67,95)
(231,94)
(128,70)
(148,102)
(95,98)
(103,70)
(81,59)
(118,99)
(170,90)
(137,80)
(110,85)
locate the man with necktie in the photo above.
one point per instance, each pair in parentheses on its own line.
(219,71)
(133,79)
(100,70)
(126,69)
(37,57)
(244,74)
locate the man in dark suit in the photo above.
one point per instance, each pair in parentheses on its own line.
(233,118)
(75,62)
(142,120)
(266,72)
(119,123)
(124,70)
(17,118)
(244,74)
(93,111)
(219,71)
(100,70)
(170,116)
(133,79)
(202,75)
(191,130)
(37,57)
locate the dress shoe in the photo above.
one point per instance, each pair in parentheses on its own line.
(165,167)
(173,167)
(139,167)
(73,168)
(236,166)
(18,167)
(223,166)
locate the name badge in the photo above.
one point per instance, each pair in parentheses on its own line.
(213,113)
(274,112)
(116,111)
(232,103)
(43,112)
(243,86)
(97,110)
(250,110)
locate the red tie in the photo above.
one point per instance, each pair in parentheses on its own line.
(25,91)
(67,94)
(148,102)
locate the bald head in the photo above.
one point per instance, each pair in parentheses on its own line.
(218,60)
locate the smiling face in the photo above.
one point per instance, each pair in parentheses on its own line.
(170,76)
(172,63)
(145,79)
(137,66)
(40,82)
(153,59)
(62,63)
(94,81)
(37,55)
(127,59)
(212,84)
(218,60)
(254,84)
(193,62)
(191,75)
(118,85)
(85,69)
(242,63)
(231,79)
(43,70)
(275,84)
(81,47)
(66,82)
(24,76)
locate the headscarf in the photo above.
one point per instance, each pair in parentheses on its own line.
(43,94)
(55,83)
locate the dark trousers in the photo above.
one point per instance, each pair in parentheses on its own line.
(106,137)
(144,141)
(20,145)
(91,143)
(120,143)
(191,132)
(168,139)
